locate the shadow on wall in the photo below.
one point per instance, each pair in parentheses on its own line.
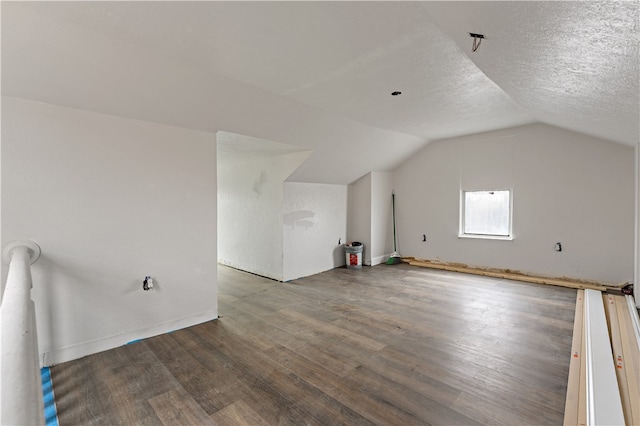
(74,300)
(299,218)
(339,258)
(57,291)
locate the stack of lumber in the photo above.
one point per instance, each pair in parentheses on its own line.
(585,405)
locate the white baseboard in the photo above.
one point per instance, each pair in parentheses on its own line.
(79,350)
(243,268)
(380,259)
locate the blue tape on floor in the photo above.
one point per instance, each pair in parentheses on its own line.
(134,341)
(50,413)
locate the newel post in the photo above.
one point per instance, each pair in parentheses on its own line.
(21,400)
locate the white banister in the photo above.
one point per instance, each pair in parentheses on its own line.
(21,401)
(604,406)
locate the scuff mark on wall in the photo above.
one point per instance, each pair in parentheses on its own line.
(298,218)
(259,184)
(315,216)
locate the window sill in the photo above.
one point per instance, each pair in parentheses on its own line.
(487,237)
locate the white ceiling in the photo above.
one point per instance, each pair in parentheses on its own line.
(234,145)
(569,64)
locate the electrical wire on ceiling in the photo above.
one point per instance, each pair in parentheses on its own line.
(477,39)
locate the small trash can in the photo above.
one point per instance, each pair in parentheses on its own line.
(353,253)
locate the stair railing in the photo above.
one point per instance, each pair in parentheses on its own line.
(21,401)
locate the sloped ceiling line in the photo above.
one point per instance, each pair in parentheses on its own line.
(327,70)
(570,64)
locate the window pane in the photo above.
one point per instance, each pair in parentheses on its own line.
(486,212)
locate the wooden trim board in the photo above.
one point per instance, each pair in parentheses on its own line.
(582,394)
(513,276)
(631,358)
(572,402)
(624,354)
(619,359)
(604,404)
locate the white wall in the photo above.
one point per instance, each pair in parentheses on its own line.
(315,217)
(109,200)
(250,209)
(369,216)
(381,221)
(359,215)
(567,187)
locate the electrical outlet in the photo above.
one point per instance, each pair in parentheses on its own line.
(147,284)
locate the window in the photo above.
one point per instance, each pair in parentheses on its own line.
(486,214)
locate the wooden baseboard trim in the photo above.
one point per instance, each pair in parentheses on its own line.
(512,275)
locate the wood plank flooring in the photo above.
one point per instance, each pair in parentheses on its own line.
(384,345)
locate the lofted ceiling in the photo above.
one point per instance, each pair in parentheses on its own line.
(569,64)
(234,145)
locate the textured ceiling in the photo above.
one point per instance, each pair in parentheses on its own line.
(569,64)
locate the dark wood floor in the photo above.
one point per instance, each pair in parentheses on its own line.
(386,345)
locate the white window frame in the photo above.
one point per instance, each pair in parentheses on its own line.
(462,234)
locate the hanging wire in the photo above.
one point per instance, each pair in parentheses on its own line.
(476,44)
(477,39)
